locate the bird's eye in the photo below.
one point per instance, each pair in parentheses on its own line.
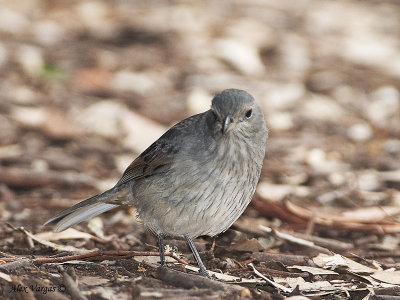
(249,113)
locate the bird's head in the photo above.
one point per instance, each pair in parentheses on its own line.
(236,111)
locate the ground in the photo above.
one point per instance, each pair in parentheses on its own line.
(88,85)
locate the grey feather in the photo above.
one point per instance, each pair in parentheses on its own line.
(92,207)
(82,214)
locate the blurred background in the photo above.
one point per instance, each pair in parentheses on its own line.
(85,86)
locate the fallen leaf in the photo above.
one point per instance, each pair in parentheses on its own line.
(371,214)
(91,280)
(69,234)
(392,277)
(5,276)
(302,285)
(248,245)
(335,261)
(312,270)
(93,80)
(138,139)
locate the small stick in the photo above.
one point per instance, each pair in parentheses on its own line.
(103,254)
(274,284)
(71,285)
(296,240)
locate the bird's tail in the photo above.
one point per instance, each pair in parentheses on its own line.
(92,207)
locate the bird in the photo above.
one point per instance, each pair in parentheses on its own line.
(195,180)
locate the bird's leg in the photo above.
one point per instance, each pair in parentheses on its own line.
(203,270)
(160,237)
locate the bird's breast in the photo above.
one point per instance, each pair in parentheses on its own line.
(202,194)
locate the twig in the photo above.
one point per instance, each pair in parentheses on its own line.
(17,264)
(71,286)
(103,255)
(84,253)
(296,240)
(5,277)
(325,242)
(4,254)
(274,284)
(286,259)
(190,281)
(29,240)
(47,243)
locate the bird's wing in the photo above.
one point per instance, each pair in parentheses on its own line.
(159,157)
(155,159)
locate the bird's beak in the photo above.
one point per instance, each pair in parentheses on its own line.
(225,124)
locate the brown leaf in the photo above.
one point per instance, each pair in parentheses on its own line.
(391,277)
(248,245)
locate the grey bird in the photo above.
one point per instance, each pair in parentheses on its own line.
(195,180)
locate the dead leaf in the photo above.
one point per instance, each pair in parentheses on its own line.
(53,245)
(91,280)
(57,125)
(302,285)
(93,79)
(248,245)
(335,261)
(372,214)
(69,234)
(278,192)
(312,270)
(138,139)
(391,277)
(375,219)
(52,121)
(5,276)
(362,215)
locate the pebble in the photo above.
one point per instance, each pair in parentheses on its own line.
(360,132)
(48,32)
(136,138)
(280,121)
(279,96)
(102,118)
(384,104)
(295,56)
(326,80)
(322,108)
(368,180)
(23,95)
(128,81)
(278,192)
(92,12)
(39,165)
(392,146)
(321,162)
(3,55)
(198,101)
(13,22)
(31,59)
(337,178)
(396,198)
(243,57)
(29,116)
(316,157)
